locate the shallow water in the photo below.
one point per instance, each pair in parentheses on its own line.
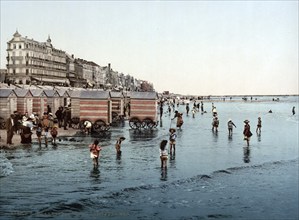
(61,183)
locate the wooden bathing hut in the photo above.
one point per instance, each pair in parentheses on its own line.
(8,104)
(53,100)
(95,106)
(64,97)
(117,105)
(24,101)
(75,107)
(143,110)
(39,103)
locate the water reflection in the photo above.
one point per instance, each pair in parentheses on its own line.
(103,135)
(172,159)
(215,135)
(95,173)
(246,154)
(161,123)
(259,137)
(118,157)
(143,135)
(163,174)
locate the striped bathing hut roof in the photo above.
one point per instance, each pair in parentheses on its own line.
(87,94)
(51,93)
(74,93)
(116,95)
(36,92)
(22,92)
(143,95)
(5,92)
(62,92)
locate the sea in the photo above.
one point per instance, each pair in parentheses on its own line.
(211,175)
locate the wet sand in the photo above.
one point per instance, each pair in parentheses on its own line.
(16,140)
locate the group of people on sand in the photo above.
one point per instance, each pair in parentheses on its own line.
(25,126)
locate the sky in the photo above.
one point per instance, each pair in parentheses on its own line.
(185,47)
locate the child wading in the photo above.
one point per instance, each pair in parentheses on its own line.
(39,130)
(95,153)
(247,133)
(172,138)
(118,145)
(163,153)
(230,125)
(54,134)
(259,125)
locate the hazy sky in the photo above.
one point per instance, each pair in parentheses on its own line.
(195,47)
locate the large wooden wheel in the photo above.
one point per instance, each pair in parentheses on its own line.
(135,123)
(148,123)
(75,122)
(100,126)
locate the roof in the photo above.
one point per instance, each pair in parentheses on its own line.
(22,92)
(87,94)
(143,95)
(36,92)
(116,95)
(50,93)
(5,92)
(74,93)
(62,92)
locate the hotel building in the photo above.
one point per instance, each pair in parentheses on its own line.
(30,61)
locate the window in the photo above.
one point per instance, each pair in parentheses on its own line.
(14,71)
(14,46)
(27,71)
(20,46)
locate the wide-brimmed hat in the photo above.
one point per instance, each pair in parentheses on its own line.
(246,121)
(171,129)
(229,119)
(122,138)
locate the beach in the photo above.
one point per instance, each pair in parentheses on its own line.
(212,175)
(16,140)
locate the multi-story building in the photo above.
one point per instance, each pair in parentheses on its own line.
(3,73)
(31,61)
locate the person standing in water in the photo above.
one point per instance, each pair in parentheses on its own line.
(246,132)
(95,153)
(230,125)
(54,133)
(259,126)
(172,139)
(163,154)
(118,145)
(215,124)
(180,120)
(187,108)
(39,131)
(293,110)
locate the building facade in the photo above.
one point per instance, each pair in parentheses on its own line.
(33,62)
(30,61)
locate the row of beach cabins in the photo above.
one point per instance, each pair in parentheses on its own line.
(99,107)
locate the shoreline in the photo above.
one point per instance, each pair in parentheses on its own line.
(16,140)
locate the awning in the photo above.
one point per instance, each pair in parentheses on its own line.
(52,80)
